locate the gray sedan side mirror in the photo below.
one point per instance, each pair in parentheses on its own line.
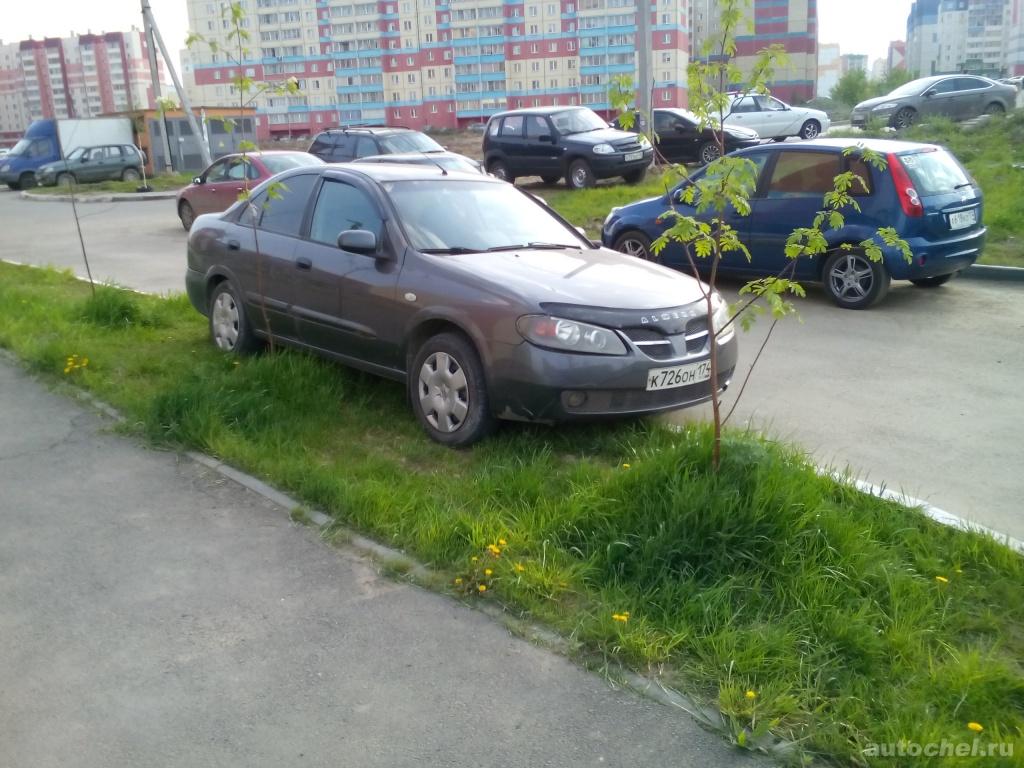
(197,180)
(358,241)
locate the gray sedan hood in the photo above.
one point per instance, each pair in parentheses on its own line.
(869,103)
(587,278)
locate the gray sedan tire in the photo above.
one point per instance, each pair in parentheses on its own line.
(853,281)
(904,118)
(448,391)
(65,179)
(810,130)
(995,109)
(130,174)
(230,330)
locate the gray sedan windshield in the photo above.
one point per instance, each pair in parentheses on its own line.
(469,216)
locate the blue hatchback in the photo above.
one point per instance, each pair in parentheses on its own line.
(924,193)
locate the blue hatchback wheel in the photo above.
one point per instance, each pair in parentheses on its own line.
(853,281)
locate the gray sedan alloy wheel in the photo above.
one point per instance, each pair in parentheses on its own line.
(904,118)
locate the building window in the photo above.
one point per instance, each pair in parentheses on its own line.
(515,50)
(666,38)
(665,96)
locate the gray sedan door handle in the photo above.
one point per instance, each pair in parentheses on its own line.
(233,245)
(303,263)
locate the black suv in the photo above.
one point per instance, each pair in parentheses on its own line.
(556,142)
(342,145)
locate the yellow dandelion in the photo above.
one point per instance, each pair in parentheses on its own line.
(488,571)
(957,571)
(942,580)
(472,559)
(519,567)
(458,579)
(623,617)
(481,588)
(67,370)
(976,727)
(751,694)
(502,542)
(625,466)
(85,361)
(494,549)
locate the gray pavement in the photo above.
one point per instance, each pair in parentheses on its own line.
(140,245)
(154,614)
(921,393)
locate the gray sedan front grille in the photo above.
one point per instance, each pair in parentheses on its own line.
(660,346)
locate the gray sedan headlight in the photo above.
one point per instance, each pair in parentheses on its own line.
(604,149)
(886,105)
(720,318)
(569,335)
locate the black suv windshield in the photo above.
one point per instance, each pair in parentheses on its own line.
(398,143)
(577,121)
(472,216)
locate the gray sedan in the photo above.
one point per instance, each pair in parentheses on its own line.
(958,97)
(485,303)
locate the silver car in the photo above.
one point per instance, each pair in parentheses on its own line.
(958,97)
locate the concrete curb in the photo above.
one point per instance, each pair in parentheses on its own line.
(991,272)
(114,197)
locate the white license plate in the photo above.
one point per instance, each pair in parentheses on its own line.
(678,376)
(634,156)
(962,219)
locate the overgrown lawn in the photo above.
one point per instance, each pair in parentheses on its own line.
(790,601)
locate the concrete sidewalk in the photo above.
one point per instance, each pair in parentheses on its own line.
(154,614)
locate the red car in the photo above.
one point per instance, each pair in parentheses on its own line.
(218,187)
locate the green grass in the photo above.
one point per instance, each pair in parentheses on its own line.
(989,153)
(161,183)
(765,577)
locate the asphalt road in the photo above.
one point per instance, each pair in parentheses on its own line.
(155,614)
(920,393)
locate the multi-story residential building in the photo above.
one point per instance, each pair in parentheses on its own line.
(897,58)
(447,63)
(77,76)
(793,24)
(850,62)
(829,68)
(977,36)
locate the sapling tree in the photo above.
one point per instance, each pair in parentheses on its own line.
(697,218)
(236,52)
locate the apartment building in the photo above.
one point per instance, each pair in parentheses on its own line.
(897,57)
(448,63)
(978,36)
(793,24)
(829,68)
(76,76)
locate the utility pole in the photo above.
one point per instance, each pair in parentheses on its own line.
(643,53)
(153,34)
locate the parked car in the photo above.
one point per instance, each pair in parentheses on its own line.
(959,97)
(772,118)
(485,303)
(924,193)
(87,164)
(219,186)
(557,142)
(680,138)
(343,145)
(450,161)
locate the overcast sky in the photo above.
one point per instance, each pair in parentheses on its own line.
(866,27)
